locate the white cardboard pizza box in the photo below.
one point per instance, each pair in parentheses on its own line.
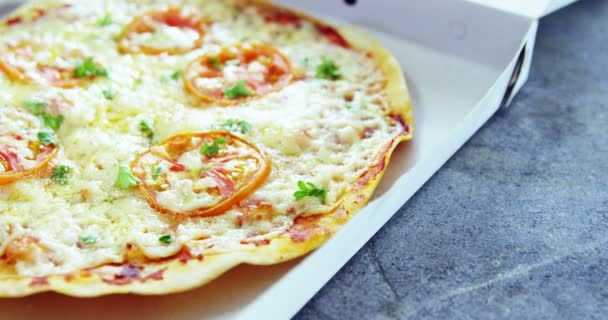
(463,59)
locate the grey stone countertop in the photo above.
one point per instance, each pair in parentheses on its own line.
(515,225)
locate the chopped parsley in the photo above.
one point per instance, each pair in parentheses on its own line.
(216,63)
(146,129)
(156,171)
(236,126)
(238,90)
(109,94)
(47,137)
(37,109)
(88,240)
(176,75)
(308,189)
(105,21)
(328,70)
(211,150)
(125,179)
(89,68)
(61,175)
(166,239)
(51,121)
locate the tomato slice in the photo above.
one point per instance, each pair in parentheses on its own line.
(154,32)
(258,70)
(200,174)
(34,14)
(19,64)
(21,154)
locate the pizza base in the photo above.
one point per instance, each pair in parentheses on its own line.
(178,276)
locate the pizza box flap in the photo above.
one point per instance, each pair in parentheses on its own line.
(535,9)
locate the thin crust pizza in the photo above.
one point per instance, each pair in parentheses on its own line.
(149,146)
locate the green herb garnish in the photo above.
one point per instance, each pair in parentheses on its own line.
(156,171)
(236,126)
(105,21)
(109,94)
(166,239)
(211,150)
(216,63)
(177,74)
(88,240)
(125,179)
(328,70)
(89,68)
(48,120)
(51,121)
(47,137)
(308,189)
(61,175)
(238,90)
(36,107)
(146,129)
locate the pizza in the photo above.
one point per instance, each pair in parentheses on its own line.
(150,146)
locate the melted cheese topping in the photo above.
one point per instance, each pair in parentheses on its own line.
(314,130)
(18,130)
(163,36)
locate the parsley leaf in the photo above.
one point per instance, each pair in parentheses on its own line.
(238,90)
(177,74)
(236,126)
(61,175)
(52,122)
(89,68)
(109,94)
(216,63)
(105,21)
(88,240)
(146,129)
(166,239)
(125,179)
(308,189)
(37,109)
(211,150)
(328,70)
(47,137)
(156,171)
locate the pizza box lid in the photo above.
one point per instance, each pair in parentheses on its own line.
(531,8)
(459,74)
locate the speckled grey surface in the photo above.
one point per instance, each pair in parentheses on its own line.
(516,224)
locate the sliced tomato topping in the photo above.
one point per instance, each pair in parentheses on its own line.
(171,31)
(200,174)
(9,158)
(238,74)
(20,64)
(283,17)
(21,153)
(332,35)
(288,18)
(34,14)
